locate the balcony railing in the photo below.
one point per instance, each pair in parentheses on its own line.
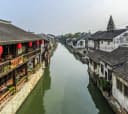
(9,65)
(28,55)
(4,67)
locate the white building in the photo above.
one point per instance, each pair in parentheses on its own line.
(110,60)
(110,39)
(120,86)
(80,44)
(91,43)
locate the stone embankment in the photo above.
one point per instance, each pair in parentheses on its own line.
(14,104)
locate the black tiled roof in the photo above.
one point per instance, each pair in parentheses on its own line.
(122,71)
(96,55)
(116,57)
(106,35)
(11,34)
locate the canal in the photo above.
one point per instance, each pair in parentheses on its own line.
(65,89)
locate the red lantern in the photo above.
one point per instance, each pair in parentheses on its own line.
(1,50)
(40,42)
(30,44)
(19,46)
(37,42)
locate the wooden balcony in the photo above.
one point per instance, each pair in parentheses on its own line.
(6,67)
(31,54)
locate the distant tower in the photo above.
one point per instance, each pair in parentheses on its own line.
(111,25)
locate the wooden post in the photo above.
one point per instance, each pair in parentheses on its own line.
(14,78)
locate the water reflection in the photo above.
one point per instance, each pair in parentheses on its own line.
(100,103)
(70,92)
(35,102)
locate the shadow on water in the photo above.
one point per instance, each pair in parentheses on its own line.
(100,102)
(34,104)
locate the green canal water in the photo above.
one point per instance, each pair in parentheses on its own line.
(65,89)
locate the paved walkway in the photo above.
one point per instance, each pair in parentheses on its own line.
(14,104)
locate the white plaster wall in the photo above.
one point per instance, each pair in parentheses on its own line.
(91,67)
(104,46)
(79,44)
(118,95)
(90,43)
(106,68)
(97,69)
(121,39)
(100,73)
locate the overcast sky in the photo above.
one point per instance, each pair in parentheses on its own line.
(64,16)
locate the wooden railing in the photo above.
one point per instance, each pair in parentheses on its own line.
(5,67)
(28,55)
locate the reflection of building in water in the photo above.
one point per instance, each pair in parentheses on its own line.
(35,102)
(45,85)
(46,81)
(99,101)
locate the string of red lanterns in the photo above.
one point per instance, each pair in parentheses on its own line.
(30,44)
(41,42)
(37,42)
(19,45)
(1,51)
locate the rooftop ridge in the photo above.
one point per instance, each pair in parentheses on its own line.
(5,21)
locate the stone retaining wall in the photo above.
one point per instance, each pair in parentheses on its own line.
(14,104)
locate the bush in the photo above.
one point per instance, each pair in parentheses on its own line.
(105,85)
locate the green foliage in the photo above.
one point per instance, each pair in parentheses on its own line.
(105,85)
(11,88)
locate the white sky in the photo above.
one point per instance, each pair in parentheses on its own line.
(64,16)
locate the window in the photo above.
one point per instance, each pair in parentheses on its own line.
(125,90)
(119,85)
(108,42)
(109,75)
(102,68)
(90,61)
(106,65)
(106,75)
(81,43)
(95,65)
(101,42)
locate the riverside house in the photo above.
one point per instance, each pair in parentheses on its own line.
(20,56)
(94,64)
(120,86)
(113,70)
(108,40)
(108,63)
